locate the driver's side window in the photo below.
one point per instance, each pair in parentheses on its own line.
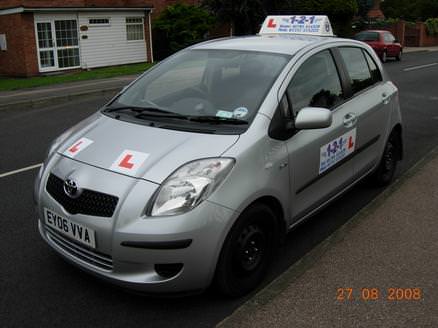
(316,84)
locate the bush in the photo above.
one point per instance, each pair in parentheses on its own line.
(432,26)
(181,25)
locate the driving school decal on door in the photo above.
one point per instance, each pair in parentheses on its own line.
(336,150)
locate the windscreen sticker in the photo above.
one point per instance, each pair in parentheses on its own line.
(240,112)
(224,114)
(77,147)
(336,150)
(129,162)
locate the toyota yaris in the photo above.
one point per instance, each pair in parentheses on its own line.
(195,171)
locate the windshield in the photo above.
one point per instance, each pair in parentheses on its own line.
(367,36)
(224,85)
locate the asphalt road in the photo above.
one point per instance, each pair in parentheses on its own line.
(38,289)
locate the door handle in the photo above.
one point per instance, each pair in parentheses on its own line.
(386,98)
(350,120)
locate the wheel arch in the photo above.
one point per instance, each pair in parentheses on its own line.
(275,205)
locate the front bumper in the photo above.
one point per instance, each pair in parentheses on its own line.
(130,247)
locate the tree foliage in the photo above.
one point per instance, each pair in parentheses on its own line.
(243,15)
(411,10)
(180,25)
(247,15)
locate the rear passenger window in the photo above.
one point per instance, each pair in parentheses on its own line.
(357,68)
(316,83)
(375,72)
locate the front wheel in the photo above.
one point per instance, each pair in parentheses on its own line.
(247,251)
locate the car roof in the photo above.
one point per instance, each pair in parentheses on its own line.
(283,44)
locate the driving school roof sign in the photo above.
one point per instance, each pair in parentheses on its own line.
(310,25)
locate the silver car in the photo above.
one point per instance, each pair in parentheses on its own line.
(196,170)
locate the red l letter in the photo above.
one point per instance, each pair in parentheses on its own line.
(74,148)
(350,143)
(271,23)
(125,162)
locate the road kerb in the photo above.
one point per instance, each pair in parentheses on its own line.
(279,284)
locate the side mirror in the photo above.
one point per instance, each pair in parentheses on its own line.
(395,41)
(313,118)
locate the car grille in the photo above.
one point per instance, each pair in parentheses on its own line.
(88,203)
(100,260)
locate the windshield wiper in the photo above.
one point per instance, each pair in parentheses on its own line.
(146,111)
(217,120)
(159,112)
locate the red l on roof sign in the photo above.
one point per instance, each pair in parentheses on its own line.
(129,161)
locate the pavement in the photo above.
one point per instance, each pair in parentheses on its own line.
(419,49)
(34,97)
(346,282)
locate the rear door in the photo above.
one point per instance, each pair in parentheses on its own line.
(318,159)
(368,104)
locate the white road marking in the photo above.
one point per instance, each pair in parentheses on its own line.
(24,169)
(419,67)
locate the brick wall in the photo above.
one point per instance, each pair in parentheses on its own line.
(21,58)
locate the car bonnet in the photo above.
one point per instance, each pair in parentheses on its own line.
(141,151)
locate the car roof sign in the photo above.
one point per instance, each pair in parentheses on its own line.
(297,24)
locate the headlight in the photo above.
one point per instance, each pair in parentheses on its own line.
(188,186)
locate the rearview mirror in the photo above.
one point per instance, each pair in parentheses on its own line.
(313,118)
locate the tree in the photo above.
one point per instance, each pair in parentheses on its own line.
(363,7)
(180,25)
(245,16)
(410,10)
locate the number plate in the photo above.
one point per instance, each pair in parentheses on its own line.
(69,228)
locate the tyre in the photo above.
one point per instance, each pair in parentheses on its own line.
(247,251)
(399,56)
(388,164)
(384,56)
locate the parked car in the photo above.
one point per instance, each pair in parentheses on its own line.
(196,170)
(383,43)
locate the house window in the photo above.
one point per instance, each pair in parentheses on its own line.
(98,21)
(134,28)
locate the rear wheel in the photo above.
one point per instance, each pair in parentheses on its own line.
(247,251)
(384,56)
(385,171)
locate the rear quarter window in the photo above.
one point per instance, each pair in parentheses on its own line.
(358,69)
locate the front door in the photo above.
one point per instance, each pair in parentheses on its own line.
(319,159)
(57,44)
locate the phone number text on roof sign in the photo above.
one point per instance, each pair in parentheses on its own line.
(312,25)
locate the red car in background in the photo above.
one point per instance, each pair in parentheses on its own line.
(383,43)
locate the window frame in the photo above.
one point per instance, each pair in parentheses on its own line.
(90,24)
(352,94)
(344,85)
(135,24)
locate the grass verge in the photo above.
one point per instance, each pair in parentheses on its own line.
(7,84)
